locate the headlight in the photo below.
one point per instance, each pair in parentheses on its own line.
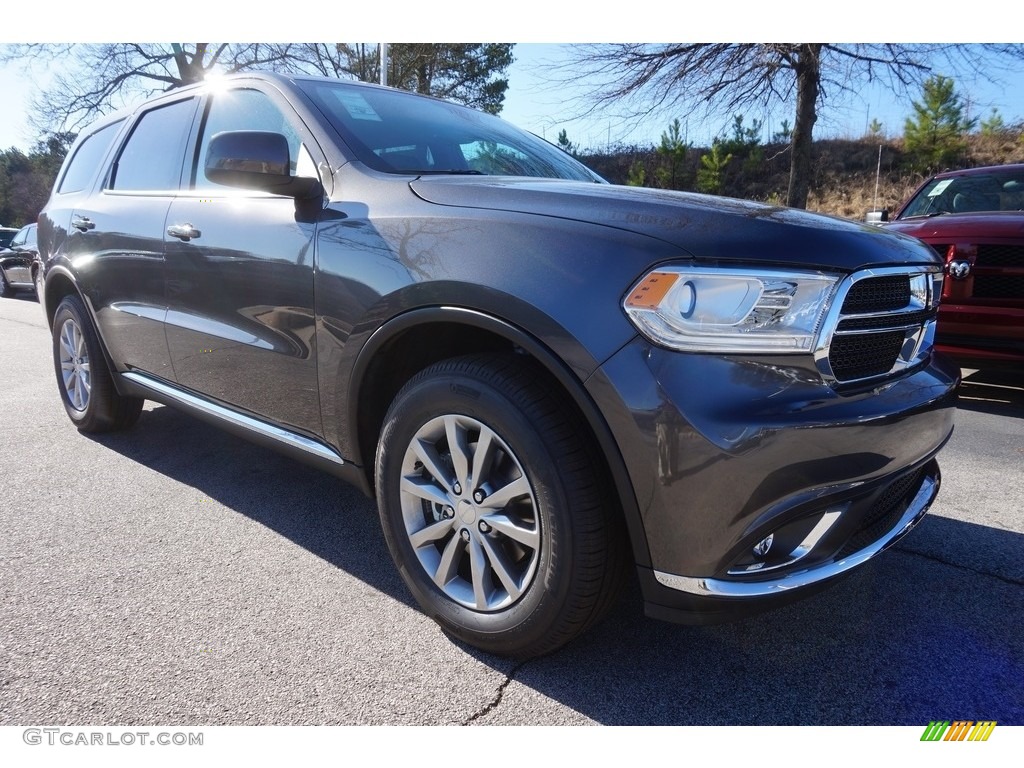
(697,309)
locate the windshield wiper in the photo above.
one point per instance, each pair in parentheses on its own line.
(447,171)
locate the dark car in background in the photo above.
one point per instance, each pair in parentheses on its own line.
(19,264)
(974,219)
(542,378)
(6,235)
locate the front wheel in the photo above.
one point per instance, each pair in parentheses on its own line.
(493,507)
(85,383)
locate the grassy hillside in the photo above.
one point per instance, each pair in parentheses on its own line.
(845,170)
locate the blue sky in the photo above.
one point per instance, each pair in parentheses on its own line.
(531,101)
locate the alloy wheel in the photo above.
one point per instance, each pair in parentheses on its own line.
(470,513)
(74,365)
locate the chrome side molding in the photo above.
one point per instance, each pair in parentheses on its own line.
(165,392)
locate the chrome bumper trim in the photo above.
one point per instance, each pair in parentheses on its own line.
(708,587)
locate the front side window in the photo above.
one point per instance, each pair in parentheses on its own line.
(152,157)
(245,109)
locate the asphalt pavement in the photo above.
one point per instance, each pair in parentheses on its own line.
(174,574)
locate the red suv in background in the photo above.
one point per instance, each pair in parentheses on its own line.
(974,219)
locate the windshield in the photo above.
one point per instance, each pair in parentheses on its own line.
(397,132)
(999,190)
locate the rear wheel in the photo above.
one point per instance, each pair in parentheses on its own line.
(85,383)
(493,509)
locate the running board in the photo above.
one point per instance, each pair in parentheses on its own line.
(246,426)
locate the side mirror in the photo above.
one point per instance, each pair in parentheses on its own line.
(256,160)
(877,217)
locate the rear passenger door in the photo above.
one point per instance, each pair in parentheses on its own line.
(116,237)
(240,321)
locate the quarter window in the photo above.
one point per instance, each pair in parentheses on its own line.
(152,157)
(87,157)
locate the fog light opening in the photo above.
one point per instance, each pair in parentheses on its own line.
(763,546)
(789,544)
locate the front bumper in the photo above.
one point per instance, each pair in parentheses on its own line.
(723,452)
(976,335)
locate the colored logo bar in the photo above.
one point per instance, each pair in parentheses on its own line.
(959,730)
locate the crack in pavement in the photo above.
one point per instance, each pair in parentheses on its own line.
(492,705)
(933,558)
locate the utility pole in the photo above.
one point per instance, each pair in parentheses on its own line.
(383,63)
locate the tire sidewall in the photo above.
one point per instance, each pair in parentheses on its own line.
(70,310)
(541,603)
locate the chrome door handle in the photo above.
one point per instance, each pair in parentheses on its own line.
(184,232)
(83,223)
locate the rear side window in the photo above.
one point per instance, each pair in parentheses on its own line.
(152,156)
(87,157)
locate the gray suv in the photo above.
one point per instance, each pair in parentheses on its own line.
(543,379)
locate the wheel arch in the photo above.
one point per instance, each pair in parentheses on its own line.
(416,339)
(59,283)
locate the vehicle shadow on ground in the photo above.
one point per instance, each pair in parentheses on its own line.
(317,511)
(999,392)
(931,630)
(919,632)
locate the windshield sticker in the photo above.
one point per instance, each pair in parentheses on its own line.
(357,107)
(939,188)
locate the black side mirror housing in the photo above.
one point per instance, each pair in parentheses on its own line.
(256,160)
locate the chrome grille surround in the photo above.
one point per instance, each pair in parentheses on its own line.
(845,329)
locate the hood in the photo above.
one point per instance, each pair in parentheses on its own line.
(705,227)
(1007,225)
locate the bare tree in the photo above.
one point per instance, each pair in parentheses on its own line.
(96,78)
(723,77)
(469,73)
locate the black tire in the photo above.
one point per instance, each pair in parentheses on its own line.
(85,383)
(527,568)
(5,287)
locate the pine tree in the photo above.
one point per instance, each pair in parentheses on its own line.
(934,137)
(673,150)
(712,166)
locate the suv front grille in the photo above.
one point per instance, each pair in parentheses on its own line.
(998,287)
(862,355)
(1000,256)
(878,294)
(882,322)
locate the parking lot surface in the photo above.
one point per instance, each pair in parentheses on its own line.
(176,574)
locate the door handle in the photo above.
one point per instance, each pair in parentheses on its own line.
(184,232)
(84,223)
